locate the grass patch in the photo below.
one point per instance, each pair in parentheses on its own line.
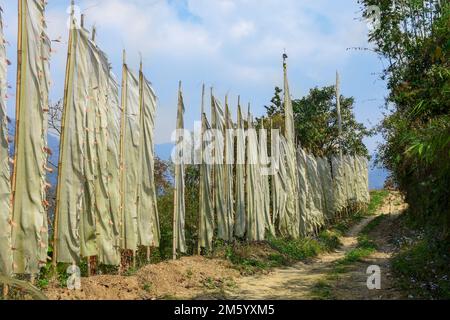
(372,225)
(276,252)
(299,249)
(377,198)
(356,255)
(346,223)
(423,269)
(252,258)
(365,245)
(330,239)
(321,291)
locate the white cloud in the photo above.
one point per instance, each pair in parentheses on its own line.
(242,29)
(235,45)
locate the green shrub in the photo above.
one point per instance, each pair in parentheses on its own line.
(423,269)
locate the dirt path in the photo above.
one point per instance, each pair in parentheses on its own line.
(352,284)
(203,278)
(297,282)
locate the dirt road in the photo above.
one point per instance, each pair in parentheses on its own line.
(299,281)
(203,278)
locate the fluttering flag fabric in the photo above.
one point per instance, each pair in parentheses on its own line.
(86,224)
(5,183)
(107,150)
(265,170)
(148,219)
(279,186)
(316,213)
(304,192)
(104,240)
(130,154)
(30,227)
(290,223)
(324,168)
(256,226)
(206,223)
(114,169)
(229,172)
(179,214)
(219,180)
(71,183)
(349,180)
(240,218)
(339,185)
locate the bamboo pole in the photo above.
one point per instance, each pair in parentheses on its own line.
(94,33)
(242,165)
(122,147)
(225,159)
(88,266)
(5,291)
(339,114)
(141,122)
(213,171)
(338,107)
(202,195)
(175,198)
(148,254)
(18,97)
(69,71)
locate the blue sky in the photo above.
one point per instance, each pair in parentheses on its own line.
(233,45)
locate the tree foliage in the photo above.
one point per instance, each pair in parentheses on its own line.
(316,124)
(414,37)
(164,173)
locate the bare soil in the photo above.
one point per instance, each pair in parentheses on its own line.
(352,284)
(298,282)
(202,278)
(186,278)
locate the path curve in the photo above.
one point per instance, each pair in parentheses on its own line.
(297,282)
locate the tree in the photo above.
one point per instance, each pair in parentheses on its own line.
(414,37)
(55,117)
(316,125)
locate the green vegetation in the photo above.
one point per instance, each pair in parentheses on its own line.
(414,38)
(276,252)
(423,270)
(255,258)
(165,208)
(376,200)
(322,291)
(365,247)
(316,126)
(301,249)
(252,258)
(422,266)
